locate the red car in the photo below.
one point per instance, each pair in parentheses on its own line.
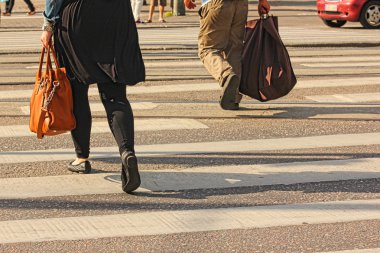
(335,13)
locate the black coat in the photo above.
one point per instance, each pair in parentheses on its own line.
(97,42)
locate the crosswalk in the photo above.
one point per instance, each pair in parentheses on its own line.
(203,169)
(79,228)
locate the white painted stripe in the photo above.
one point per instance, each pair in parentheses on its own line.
(180,37)
(341,82)
(314,83)
(356,116)
(307,61)
(193,178)
(356,251)
(130,90)
(23,16)
(342,64)
(102,127)
(324,141)
(359,97)
(98,107)
(170,222)
(344,59)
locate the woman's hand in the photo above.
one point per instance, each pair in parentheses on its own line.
(46,38)
(263,7)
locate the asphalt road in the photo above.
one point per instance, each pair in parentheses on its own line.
(298,174)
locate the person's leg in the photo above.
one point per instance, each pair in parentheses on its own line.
(120,120)
(153,3)
(235,46)
(82,112)
(138,7)
(9,6)
(119,114)
(234,49)
(162,10)
(30,5)
(161,13)
(214,36)
(133,5)
(215,26)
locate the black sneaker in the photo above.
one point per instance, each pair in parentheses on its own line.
(84,167)
(130,168)
(230,88)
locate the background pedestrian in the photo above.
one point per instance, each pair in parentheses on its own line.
(9,6)
(220,43)
(161,9)
(136,8)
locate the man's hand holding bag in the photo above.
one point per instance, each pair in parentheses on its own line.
(51,103)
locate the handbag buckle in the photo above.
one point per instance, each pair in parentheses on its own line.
(50,97)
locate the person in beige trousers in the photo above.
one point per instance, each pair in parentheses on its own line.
(220,43)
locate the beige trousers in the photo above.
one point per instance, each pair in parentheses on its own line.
(221,36)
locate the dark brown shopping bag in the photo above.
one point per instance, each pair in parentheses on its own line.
(267,71)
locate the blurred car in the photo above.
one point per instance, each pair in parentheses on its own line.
(336,13)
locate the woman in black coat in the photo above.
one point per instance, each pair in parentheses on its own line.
(97,42)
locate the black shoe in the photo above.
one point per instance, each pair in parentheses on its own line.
(84,167)
(230,88)
(130,168)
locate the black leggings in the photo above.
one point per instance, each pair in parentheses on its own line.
(119,116)
(9,5)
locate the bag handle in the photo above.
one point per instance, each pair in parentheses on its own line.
(54,57)
(49,67)
(39,73)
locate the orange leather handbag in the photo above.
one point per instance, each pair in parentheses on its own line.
(51,104)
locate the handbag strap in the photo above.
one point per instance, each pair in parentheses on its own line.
(41,123)
(54,57)
(49,67)
(39,73)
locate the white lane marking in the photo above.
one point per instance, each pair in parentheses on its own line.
(341,82)
(358,97)
(98,107)
(170,222)
(102,127)
(178,37)
(336,59)
(212,86)
(356,116)
(22,16)
(305,61)
(356,251)
(342,64)
(193,178)
(324,141)
(130,90)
